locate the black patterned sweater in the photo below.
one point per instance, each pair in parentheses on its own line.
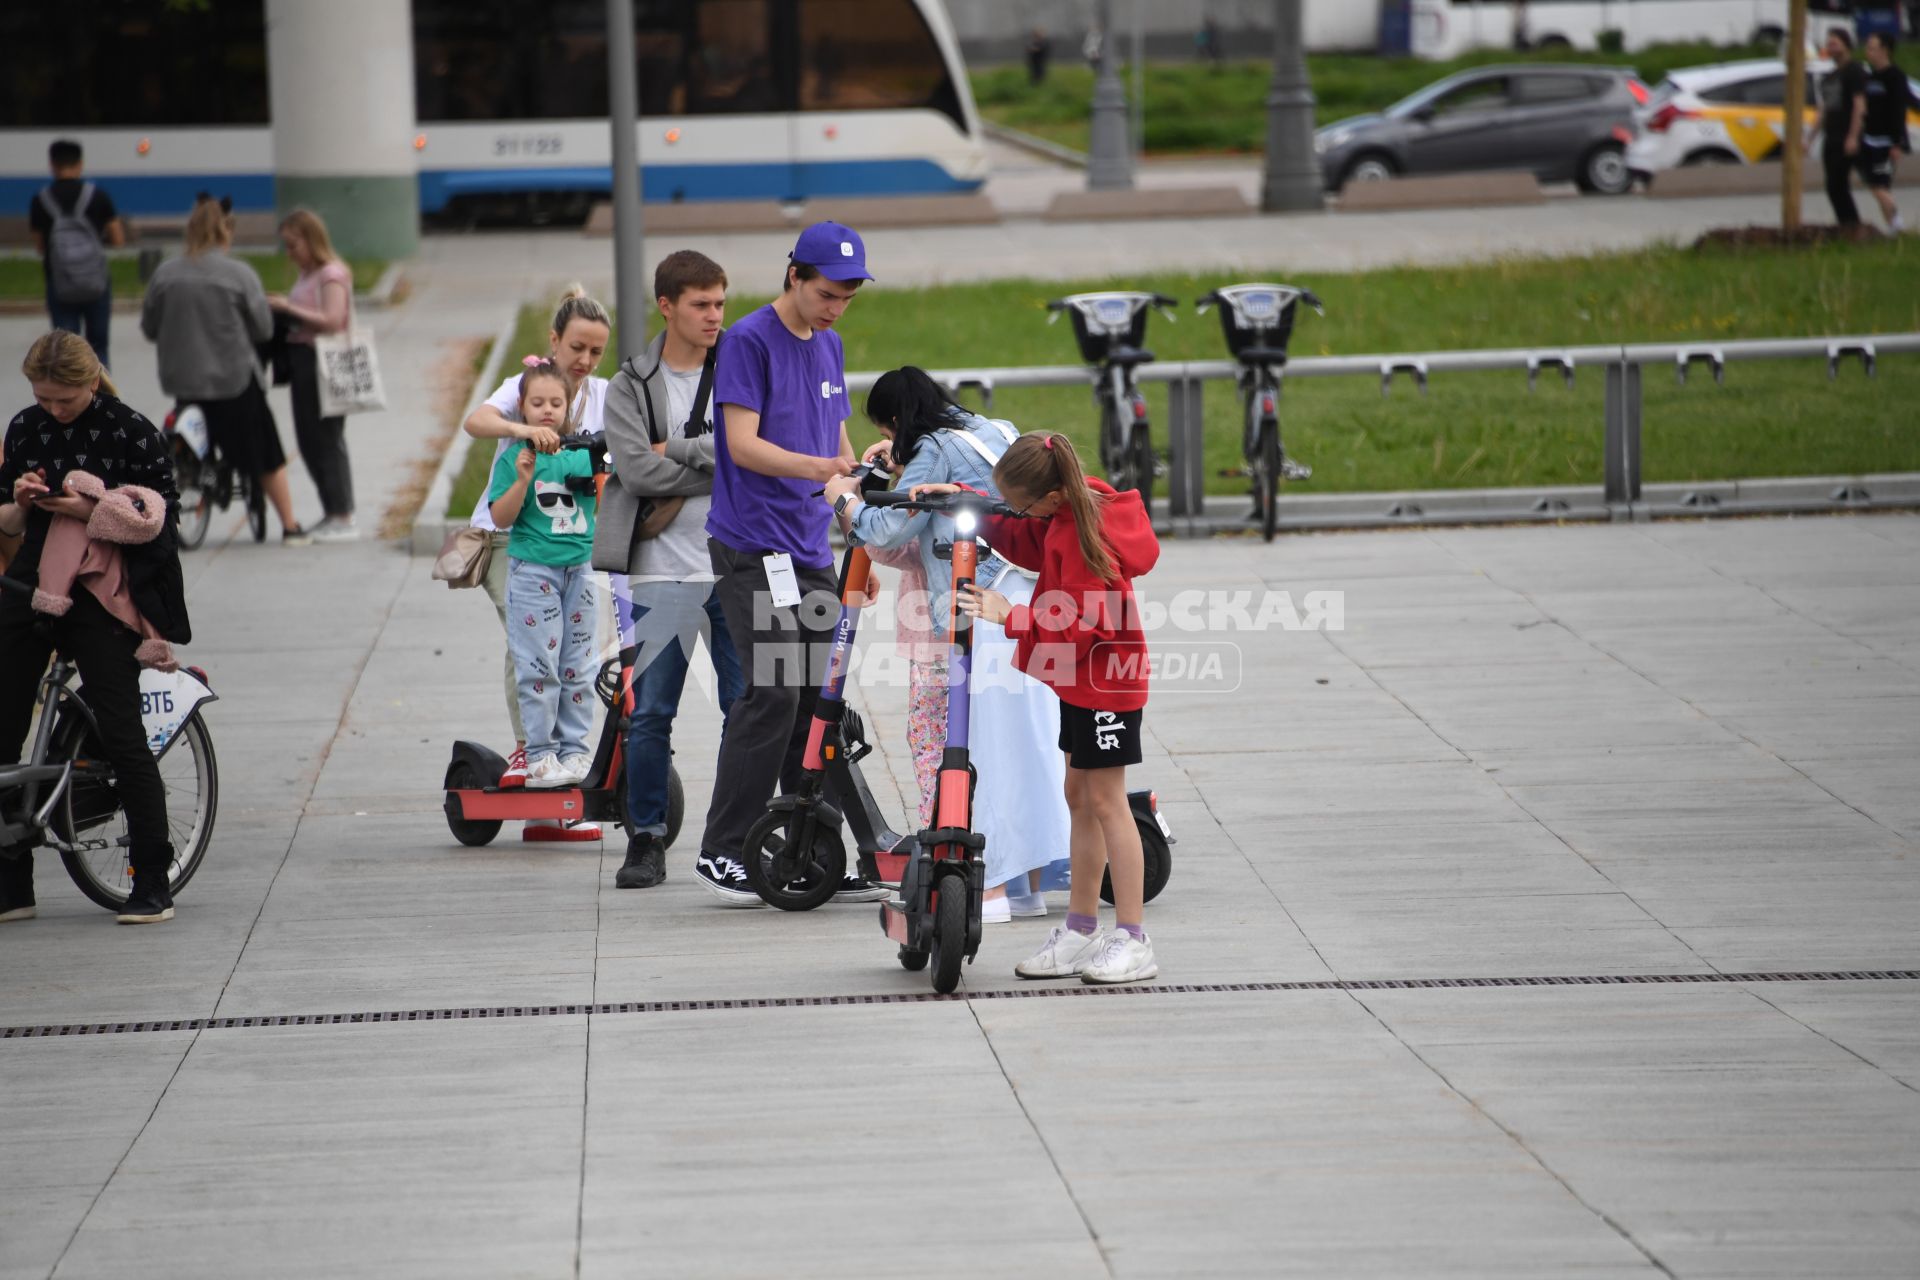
(108,439)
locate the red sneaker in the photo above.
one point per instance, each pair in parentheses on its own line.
(516,774)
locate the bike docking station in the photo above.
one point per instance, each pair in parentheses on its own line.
(476,805)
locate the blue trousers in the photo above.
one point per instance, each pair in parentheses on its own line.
(89,319)
(667,617)
(550,625)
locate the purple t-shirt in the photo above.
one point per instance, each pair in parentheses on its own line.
(799,389)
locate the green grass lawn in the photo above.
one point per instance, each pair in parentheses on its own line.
(1471,430)
(20,277)
(1191,107)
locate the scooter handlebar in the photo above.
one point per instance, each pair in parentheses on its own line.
(942,503)
(869,474)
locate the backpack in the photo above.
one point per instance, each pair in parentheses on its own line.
(76,257)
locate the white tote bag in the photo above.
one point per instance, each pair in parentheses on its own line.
(349,372)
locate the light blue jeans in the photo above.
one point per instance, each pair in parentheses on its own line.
(550,627)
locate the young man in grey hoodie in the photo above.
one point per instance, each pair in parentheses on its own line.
(653,527)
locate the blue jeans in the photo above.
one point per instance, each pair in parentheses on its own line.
(89,319)
(667,616)
(550,625)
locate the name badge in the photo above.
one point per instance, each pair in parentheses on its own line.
(780,580)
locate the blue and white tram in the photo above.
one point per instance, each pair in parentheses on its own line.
(739,99)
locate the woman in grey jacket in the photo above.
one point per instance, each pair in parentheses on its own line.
(652,527)
(208,311)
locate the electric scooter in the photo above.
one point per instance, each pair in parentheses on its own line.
(796,858)
(935,916)
(476,806)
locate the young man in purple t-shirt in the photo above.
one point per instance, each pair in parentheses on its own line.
(780,435)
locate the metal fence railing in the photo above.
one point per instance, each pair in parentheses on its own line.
(1623,367)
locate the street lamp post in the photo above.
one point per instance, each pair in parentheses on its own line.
(1110,166)
(623,103)
(1293,182)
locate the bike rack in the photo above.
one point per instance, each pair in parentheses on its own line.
(1687,357)
(1563,362)
(1838,351)
(1388,368)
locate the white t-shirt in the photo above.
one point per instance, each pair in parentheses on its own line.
(589,413)
(679,554)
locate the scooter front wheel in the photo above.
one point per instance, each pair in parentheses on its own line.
(949,933)
(794,862)
(913,961)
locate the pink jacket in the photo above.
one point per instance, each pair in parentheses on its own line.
(88,552)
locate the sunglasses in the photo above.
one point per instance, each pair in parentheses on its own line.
(552,500)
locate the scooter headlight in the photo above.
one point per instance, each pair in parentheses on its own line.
(965,522)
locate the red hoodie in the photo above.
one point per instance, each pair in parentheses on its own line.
(1081,636)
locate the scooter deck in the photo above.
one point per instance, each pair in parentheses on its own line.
(506,804)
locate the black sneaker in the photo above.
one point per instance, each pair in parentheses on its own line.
(16,888)
(854,889)
(726,880)
(646,864)
(149,903)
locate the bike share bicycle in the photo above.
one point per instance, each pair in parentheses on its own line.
(1258,322)
(206,478)
(476,806)
(1109,328)
(63,794)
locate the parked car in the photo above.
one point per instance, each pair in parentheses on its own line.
(1729,113)
(1564,123)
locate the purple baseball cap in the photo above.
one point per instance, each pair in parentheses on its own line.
(835,249)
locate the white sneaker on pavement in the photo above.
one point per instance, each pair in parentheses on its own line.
(995,911)
(1119,958)
(336,529)
(1063,955)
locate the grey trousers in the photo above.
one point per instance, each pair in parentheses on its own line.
(323,441)
(783,652)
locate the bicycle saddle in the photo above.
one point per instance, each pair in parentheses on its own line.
(1128,356)
(1262,355)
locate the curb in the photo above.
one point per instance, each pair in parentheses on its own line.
(1038,146)
(431,523)
(377,298)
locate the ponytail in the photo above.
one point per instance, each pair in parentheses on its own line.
(1040,462)
(67,359)
(576,305)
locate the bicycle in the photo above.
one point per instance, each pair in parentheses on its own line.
(206,479)
(1258,322)
(1109,328)
(63,795)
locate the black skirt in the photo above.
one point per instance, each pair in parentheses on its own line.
(244,432)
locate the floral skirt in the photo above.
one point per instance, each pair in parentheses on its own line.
(927,728)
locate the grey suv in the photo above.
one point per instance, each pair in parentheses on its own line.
(1565,123)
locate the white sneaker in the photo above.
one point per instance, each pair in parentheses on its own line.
(545,773)
(336,529)
(995,911)
(577,766)
(1030,906)
(1119,958)
(1063,955)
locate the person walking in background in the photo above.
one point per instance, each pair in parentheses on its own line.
(321,301)
(1843,109)
(781,383)
(208,312)
(576,341)
(73,223)
(1883,127)
(1039,53)
(653,524)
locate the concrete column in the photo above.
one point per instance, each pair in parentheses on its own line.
(340,76)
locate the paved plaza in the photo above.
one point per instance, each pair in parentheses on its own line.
(1676,764)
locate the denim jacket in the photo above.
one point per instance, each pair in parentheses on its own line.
(939,458)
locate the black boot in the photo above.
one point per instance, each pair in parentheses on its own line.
(151,900)
(646,864)
(16,885)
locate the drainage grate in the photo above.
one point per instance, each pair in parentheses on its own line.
(1047,992)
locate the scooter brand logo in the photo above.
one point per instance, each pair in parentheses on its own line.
(828,391)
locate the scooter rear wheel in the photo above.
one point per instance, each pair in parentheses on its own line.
(1159,864)
(467,831)
(949,933)
(799,880)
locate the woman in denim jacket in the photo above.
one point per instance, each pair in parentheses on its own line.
(1016,719)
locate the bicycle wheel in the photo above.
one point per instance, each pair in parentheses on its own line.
(257,509)
(90,816)
(1266,472)
(196,499)
(1140,464)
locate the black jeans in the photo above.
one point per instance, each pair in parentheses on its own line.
(1839,167)
(323,441)
(783,653)
(110,683)
(91,320)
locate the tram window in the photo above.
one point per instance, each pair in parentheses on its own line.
(112,63)
(729,60)
(871,55)
(509,59)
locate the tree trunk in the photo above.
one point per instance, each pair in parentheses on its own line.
(1793,136)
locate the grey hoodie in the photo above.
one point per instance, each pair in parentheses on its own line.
(637,406)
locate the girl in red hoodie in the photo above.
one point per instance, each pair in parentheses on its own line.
(1081,636)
